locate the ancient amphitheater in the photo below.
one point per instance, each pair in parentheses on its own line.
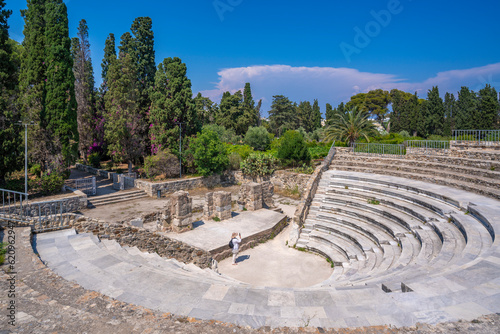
(413,240)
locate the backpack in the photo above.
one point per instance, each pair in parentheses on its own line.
(231,245)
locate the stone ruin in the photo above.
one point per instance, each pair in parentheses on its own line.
(217,204)
(177,215)
(254,196)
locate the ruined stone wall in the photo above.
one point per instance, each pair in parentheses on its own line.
(143,239)
(217,204)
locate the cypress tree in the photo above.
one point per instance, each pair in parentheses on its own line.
(32,79)
(171,102)
(124,126)
(434,112)
(488,108)
(127,45)
(10,138)
(316,116)
(205,109)
(328,114)
(449,113)
(417,119)
(59,113)
(250,117)
(304,116)
(109,56)
(84,88)
(466,108)
(282,116)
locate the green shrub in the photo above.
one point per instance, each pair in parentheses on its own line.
(318,152)
(304,169)
(234,161)
(3,251)
(293,149)
(225,135)
(259,164)
(50,183)
(36,169)
(258,138)
(404,134)
(163,162)
(94,160)
(243,150)
(209,153)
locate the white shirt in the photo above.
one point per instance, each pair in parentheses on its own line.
(236,243)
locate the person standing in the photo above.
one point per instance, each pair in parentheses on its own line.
(236,238)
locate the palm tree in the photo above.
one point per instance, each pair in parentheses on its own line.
(350,126)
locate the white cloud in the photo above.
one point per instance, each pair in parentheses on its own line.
(333,85)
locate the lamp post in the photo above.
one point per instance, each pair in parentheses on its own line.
(180,146)
(26,154)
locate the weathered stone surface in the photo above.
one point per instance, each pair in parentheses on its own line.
(251,195)
(218,204)
(138,222)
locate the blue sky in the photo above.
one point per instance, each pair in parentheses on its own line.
(327,50)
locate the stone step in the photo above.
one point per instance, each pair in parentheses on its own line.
(369,202)
(116,198)
(492,190)
(411,165)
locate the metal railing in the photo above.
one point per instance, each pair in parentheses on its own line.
(12,205)
(484,137)
(41,215)
(87,186)
(428,147)
(394,150)
(122,181)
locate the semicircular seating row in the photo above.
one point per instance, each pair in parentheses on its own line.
(382,229)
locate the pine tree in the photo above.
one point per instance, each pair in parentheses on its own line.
(10,139)
(124,126)
(466,108)
(84,88)
(205,109)
(171,103)
(59,113)
(488,108)
(316,116)
(434,112)
(449,114)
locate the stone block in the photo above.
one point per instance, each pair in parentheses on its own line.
(138,222)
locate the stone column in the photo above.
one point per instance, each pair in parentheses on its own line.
(222,204)
(208,207)
(251,195)
(267,194)
(182,211)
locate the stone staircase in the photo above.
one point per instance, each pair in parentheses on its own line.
(117,197)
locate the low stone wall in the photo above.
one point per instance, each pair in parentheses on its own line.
(307,197)
(143,239)
(252,241)
(168,187)
(95,171)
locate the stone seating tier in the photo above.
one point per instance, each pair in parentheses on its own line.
(490,191)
